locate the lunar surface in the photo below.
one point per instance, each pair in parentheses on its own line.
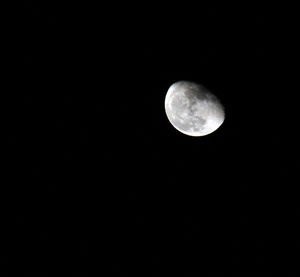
(192,109)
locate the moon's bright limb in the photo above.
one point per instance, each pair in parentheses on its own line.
(192,109)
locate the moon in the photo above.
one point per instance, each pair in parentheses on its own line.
(192,109)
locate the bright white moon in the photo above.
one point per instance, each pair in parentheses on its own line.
(192,109)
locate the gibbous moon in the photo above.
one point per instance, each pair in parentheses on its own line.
(192,109)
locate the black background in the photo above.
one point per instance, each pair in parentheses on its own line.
(98,177)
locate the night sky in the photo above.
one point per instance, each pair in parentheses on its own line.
(100,180)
